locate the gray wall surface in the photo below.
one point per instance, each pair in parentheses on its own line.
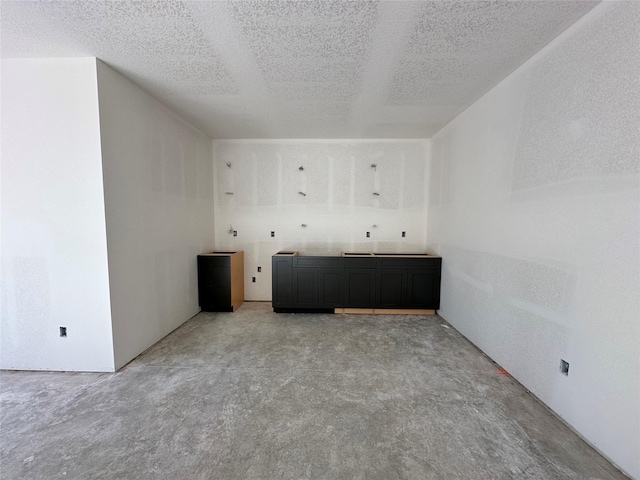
(534,206)
(159,212)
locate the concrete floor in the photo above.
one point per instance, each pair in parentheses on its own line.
(258,395)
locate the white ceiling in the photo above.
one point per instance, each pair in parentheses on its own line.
(299,69)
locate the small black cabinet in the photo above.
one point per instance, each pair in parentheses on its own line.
(220,281)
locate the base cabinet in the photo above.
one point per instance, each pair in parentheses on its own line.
(309,283)
(221,281)
(317,282)
(317,287)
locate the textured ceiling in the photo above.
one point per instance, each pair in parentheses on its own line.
(299,69)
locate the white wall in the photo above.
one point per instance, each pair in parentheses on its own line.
(159,212)
(339,206)
(534,206)
(54,251)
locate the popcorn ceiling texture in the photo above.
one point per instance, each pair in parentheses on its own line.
(298,69)
(436,67)
(534,204)
(339,205)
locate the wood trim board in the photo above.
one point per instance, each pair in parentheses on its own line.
(237,279)
(383,311)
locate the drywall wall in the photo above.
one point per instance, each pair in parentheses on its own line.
(54,251)
(159,212)
(534,206)
(331,186)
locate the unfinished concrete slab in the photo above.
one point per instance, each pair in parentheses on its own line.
(259,395)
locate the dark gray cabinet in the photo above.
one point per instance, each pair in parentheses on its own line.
(305,288)
(409,283)
(359,287)
(282,280)
(423,288)
(385,281)
(359,282)
(391,288)
(221,281)
(317,282)
(306,284)
(330,287)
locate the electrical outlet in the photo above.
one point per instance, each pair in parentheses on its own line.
(273,234)
(235,233)
(404,234)
(564,367)
(253,279)
(63,331)
(368,234)
(259,269)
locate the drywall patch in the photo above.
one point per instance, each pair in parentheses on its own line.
(30,282)
(548,284)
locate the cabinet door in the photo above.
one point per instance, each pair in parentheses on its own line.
(214,282)
(305,287)
(424,289)
(214,298)
(359,286)
(330,287)
(391,288)
(281,282)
